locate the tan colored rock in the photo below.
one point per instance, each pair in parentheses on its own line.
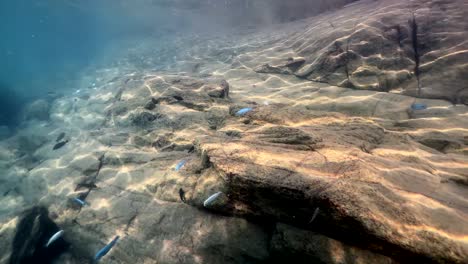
(360,195)
(382,50)
(156,231)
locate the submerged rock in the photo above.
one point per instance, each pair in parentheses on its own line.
(390,49)
(269,177)
(32,233)
(287,135)
(38,109)
(222,91)
(390,183)
(143,118)
(288,67)
(150,105)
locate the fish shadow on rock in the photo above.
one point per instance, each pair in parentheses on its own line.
(60,145)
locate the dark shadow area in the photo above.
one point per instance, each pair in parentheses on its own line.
(32,233)
(10,105)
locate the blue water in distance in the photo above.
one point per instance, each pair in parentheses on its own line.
(43,43)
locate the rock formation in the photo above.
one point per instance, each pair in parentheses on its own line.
(331,165)
(414,47)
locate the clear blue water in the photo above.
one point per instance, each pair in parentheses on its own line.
(46,43)
(43,44)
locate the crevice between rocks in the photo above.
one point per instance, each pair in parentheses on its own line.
(347,62)
(415,43)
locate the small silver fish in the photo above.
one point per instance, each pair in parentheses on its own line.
(54,237)
(180,165)
(81,202)
(244,111)
(316,212)
(101,253)
(211,199)
(418,106)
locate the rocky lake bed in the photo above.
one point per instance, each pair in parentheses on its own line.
(333,139)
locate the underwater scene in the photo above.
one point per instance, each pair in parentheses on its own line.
(233,131)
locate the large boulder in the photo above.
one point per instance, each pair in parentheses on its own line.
(416,49)
(349,175)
